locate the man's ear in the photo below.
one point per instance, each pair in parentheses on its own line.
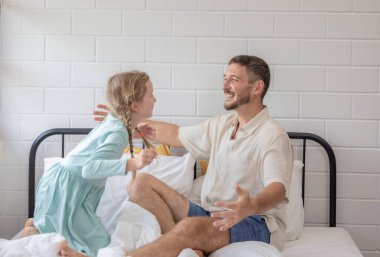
(258,89)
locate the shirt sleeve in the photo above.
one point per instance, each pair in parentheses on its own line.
(277,163)
(105,160)
(197,139)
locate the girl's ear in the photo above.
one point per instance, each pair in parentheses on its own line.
(134,107)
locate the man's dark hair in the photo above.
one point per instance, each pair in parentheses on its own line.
(256,67)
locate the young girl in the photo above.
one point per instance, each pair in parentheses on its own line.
(69,192)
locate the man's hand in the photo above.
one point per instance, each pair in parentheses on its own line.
(235,211)
(144,158)
(147,130)
(99,115)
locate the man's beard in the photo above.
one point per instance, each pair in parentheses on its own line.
(241,99)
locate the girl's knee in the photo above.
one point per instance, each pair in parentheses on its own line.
(29,231)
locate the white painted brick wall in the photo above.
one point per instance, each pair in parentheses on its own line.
(160,74)
(172,4)
(93,74)
(220,50)
(324,57)
(198,76)
(46,74)
(150,23)
(303,79)
(70,4)
(205,24)
(46,22)
(69,48)
(249,25)
(117,4)
(172,50)
(97,23)
(327,5)
(355,80)
(317,105)
(275,5)
(291,25)
(276,51)
(352,26)
(23,47)
(326,52)
(123,49)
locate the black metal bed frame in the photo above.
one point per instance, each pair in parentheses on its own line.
(293,135)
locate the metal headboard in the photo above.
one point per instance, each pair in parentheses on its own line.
(293,135)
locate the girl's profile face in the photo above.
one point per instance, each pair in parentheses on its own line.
(147,103)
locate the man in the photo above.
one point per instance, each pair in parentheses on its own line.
(250,164)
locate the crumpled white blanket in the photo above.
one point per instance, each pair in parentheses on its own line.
(130,225)
(135,228)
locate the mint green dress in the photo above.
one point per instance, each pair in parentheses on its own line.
(69,192)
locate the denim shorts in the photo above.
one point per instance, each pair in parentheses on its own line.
(253,228)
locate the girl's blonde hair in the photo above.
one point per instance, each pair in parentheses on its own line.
(122,90)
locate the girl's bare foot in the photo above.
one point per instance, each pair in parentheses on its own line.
(29,223)
(65,251)
(29,231)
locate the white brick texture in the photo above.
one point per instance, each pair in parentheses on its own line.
(324,57)
(123,49)
(171,50)
(198,77)
(300,25)
(220,50)
(172,4)
(46,22)
(352,26)
(147,23)
(275,5)
(78,48)
(249,25)
(204,24)
(97,23)
(355,80)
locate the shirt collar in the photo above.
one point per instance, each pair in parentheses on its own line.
(254,123)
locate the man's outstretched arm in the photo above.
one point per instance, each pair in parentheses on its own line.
(163,132)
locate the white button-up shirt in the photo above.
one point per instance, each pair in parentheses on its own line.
(260,154)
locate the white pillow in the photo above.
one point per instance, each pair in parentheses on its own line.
(175,171)
(294,209)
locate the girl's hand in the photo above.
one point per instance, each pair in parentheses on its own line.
(235,211)
(100,115)
(144,158)
(147,130)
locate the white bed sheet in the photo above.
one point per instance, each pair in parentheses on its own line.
(322,242)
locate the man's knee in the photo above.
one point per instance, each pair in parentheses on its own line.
(137,189)
(193,225)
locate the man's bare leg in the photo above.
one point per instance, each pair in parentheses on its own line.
(193,232)
(167,205)
(65,251)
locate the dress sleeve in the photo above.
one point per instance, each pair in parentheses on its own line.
(105,160)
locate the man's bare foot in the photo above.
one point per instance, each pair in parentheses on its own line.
(199,252)
(65,251)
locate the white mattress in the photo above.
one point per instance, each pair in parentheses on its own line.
(322,242)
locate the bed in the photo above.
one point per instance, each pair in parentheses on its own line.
(311,241)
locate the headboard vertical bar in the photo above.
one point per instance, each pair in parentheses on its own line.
(303,170)
(63,145)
